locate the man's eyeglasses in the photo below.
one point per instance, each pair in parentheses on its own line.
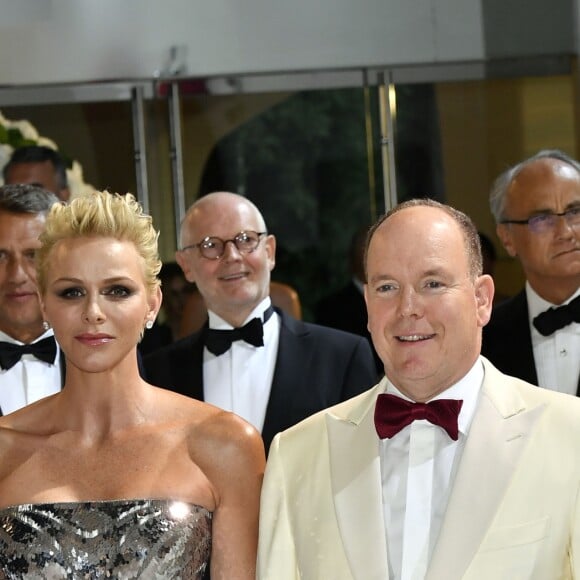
(545,222)
(213,248)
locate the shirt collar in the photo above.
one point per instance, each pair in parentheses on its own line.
(537,305)
(7,338)
(217,322)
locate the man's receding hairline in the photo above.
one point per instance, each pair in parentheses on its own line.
(548,162)
(441,211)
(215,198)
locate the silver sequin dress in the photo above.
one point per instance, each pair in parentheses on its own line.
(121,539)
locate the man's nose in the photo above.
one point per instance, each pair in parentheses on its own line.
(564,228)
(231,250)
(18,270)
(409,303)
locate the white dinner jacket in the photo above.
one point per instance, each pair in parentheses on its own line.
(513,513)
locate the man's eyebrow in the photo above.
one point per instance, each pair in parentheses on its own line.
(547,210)
(379,278)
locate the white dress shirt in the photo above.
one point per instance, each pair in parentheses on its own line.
(240,379)
(29,379)
(557,356)
(418,466)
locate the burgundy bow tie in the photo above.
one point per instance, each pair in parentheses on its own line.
(393,413)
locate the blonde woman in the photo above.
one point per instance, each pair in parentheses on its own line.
(113,477)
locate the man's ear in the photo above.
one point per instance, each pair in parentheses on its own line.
(183,262)
(504,233)
(271,250)
(484,291)
(366,297)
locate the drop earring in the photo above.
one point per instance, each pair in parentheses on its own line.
(149,324)
(45,325)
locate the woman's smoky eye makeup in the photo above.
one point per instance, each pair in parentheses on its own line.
(70,292)
(116,291)
(119,291)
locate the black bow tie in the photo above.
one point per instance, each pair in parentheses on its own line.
(553,319)
(44,350)
(219,341)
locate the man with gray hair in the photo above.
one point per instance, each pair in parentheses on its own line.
(536,335)
(30,362)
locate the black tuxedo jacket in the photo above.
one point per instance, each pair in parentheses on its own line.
(316,367)
(346,310)
(507,340)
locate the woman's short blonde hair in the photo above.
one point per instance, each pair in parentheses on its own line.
(101,214)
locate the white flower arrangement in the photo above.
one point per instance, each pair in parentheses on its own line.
(14,134)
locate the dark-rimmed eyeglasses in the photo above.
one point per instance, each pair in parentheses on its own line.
(545,222)
(213,248)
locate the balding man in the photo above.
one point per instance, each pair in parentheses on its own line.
(447,469)
(536,335)
(250,358)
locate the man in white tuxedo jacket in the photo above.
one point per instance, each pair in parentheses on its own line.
(475,475)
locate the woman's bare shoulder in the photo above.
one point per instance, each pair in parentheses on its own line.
(223,445)
(21,434)
(208,425)
(33,419)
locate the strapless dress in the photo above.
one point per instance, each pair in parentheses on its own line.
(121,539)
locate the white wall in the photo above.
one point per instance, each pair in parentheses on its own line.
(55,41)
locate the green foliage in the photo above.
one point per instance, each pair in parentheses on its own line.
(304,163)
(14,138)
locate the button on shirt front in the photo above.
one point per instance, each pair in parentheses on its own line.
(557,356)
(418,465)
(29,379)
(240,379)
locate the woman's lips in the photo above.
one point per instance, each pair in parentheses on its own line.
(94,339)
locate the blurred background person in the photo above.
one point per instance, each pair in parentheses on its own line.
(536,335)
(30,363)
(157,485)
(38,165)
(345,309)
(175,290)
(489,255)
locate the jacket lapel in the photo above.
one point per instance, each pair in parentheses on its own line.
(293,350)
(509,325)
(62,363)
(356,483)
(186,362)
(498,435)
